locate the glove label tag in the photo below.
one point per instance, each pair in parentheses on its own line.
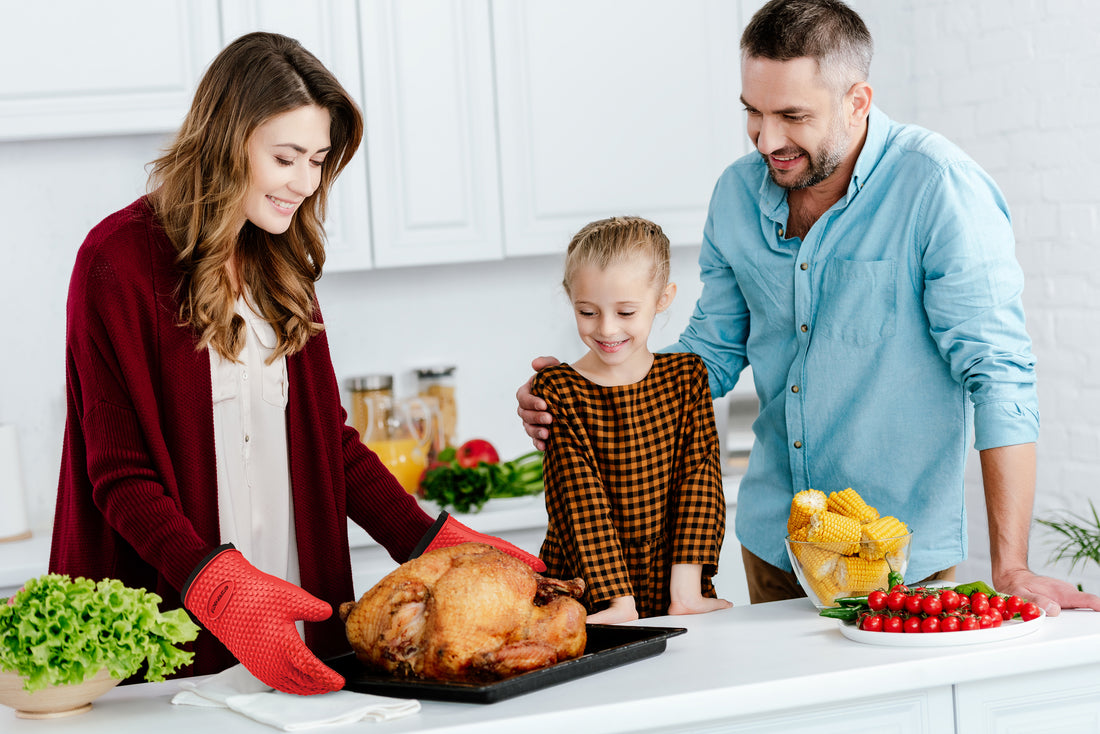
(219,600)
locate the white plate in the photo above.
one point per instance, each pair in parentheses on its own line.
(1007,631)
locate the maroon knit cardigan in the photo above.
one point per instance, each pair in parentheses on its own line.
(137,497)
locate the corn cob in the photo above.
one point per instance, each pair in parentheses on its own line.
(817,562)
(857,576)
(885,535)
(849,503)
(835,532)
(825,589)
(897,560)
(799,534)
(805,505)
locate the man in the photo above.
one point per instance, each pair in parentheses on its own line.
(865,269)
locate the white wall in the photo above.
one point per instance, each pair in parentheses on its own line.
(1014,83)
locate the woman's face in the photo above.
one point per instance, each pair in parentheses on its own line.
(285,156)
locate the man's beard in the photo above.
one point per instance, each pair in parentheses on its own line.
(821,165)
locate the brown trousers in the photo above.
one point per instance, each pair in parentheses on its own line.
(768,583)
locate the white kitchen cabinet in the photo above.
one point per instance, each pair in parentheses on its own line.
(74,68)
(329,30)
(610,107)
(431,131)
(1060,700)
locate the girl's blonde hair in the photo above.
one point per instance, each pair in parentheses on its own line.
(197,188)
(609,241)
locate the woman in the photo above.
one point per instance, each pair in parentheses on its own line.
(204,423)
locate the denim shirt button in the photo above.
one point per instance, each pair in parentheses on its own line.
(794,388)
(804,266)
(798,444)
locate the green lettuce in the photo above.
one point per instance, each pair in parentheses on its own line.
(58,631)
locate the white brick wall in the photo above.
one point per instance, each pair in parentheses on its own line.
(1015,83)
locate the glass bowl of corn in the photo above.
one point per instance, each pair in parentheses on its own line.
(830,569)
(840,546)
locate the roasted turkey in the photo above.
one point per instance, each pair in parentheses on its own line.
(466,613)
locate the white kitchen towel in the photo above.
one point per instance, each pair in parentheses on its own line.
(238,690)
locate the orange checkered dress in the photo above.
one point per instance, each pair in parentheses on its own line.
(633,483)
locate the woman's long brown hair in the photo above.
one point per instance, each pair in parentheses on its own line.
(197,189)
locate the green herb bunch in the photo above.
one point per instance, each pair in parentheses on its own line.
(59,631)
(467,489)
(1080,538)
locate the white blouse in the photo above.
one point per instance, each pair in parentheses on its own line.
(255,510)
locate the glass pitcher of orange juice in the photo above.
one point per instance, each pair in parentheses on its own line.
(394,430)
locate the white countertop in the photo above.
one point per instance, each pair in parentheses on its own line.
(756,660)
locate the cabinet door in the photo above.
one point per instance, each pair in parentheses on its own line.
(328,30)
(431,134)
(1054,700)
(70,70)
(613,107)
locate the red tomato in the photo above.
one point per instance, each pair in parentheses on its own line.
(876,600)
(895,601)
(911,625)
(892,624)
(476,450)
(950,599)
(979,603)
(950,623)
(871,623)
(997,602)
(1006,615)
(1013,604)
(970,622)
(930,624)
(931,605)
(995,619)
(1029,611)
(913,604)
(899,587)
(985,621)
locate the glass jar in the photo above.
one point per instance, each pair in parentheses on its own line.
(438,383)
(368,391)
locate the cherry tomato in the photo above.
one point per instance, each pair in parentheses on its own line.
(876,600)
(970,622)
(950,623)
(911,625)
(913,604)
(871,623)
(895,601)
(930,624)
(892,624)
(985,621)
(931,605)
(995,619)
(997,602)
(979,603)
(899,587)
(1029,611)
(1013,603)
(1006,615)
(950,599)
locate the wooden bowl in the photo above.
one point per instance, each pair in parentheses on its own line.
(54,701)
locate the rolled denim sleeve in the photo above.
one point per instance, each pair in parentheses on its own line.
(972,296)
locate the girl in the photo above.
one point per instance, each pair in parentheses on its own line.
(633,487)
(203,411)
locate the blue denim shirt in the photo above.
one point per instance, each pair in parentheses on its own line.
(879,344)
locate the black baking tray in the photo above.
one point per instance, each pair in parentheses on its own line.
(608,646)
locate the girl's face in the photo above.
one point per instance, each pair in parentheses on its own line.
(614,308)
(285,156)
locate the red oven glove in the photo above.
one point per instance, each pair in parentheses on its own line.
(447,532)
(253,614)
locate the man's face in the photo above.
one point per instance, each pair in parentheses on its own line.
(794,120)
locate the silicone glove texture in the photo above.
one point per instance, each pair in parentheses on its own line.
(253,614)
(447,532)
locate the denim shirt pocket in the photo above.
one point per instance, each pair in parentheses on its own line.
(858,301)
